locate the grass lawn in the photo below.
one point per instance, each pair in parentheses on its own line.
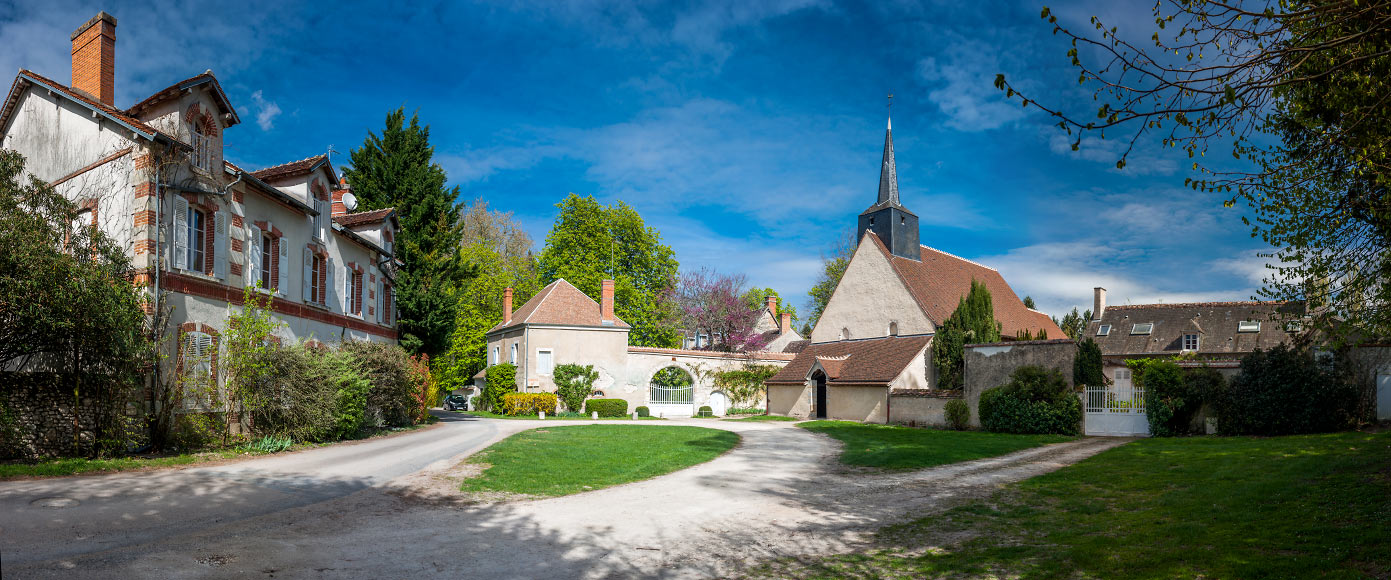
(765,418)
(75,466)
(491,415)
(562,460)
(893,447)
(1283,507)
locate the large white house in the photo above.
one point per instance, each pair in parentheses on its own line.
(200,229)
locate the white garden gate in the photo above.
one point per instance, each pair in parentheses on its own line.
(1117,410)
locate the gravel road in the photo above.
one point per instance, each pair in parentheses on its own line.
(384,509)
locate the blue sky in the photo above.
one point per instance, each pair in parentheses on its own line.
(748,133)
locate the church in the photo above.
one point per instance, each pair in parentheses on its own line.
(874,338)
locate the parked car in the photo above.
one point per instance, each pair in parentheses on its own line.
(456,403)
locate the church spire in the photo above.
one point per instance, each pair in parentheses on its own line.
(888,173)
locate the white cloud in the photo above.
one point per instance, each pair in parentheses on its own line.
(266,111)
(1109,151)
(962,79)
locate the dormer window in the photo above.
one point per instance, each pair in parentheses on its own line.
(1190,342)
(1142,328)
(1249,326)
(1103,330)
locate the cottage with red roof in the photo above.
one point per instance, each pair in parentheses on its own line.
(875,333)
(201,229)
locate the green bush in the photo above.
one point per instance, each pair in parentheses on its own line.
(1035,401)
(643,411)
(606,407)
(350,393)
(270,444)
(288,399)
(1169,406)
(514,404)
(705,411)
(958,414)
(394,400)
(1285,391)
(501,379)
(574,383)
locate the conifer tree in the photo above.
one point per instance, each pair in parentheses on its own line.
(973,322)
(396,169)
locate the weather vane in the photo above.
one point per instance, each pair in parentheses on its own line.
(891,102)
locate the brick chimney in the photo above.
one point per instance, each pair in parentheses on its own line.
(786,323)
(338,207)
(94,58)
(773,305)
(1098,302)
(606,304)
(507,306)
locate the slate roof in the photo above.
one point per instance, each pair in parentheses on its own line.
(174,90)
(1215,323)
(270,190)
(292,168)
(364,217)
(941,280)
(796,346)
(875,361)
(560,302)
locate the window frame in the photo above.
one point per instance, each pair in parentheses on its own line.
(268,259)
(1195,342)
(1103,330)
(1243,326)
(197,225)
(512,355)
(1135,329)
(202,149)
(545,370)
(316,288)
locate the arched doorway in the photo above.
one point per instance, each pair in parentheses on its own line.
(719,403)
(820,411)
(671,392)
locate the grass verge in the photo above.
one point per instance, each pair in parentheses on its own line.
(893,447)
(491,415)
(1282,507)
(562,460)
(765,418)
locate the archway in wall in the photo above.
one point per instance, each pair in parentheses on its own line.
(671,392)
(820,411)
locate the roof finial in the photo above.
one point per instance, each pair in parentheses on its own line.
(891,111)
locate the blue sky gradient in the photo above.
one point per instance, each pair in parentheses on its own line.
(748,133)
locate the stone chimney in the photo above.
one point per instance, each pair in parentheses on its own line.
(1098,302)
(94,58)
(773,305)
(507,306)
(606,304)
(786,323)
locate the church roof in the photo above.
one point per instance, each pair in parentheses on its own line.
(560,302)
(876,361)
(941,280)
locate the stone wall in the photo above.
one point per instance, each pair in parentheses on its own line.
(37,418)
(989,365)
(920,407)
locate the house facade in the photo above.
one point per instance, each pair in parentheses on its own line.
(199,228)
(874,336)
(561,325)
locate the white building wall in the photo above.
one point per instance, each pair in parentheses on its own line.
(869,297)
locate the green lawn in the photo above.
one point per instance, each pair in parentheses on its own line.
(75,466)
(491,415)
(561,460)
(1316,506)
(893,447)
(765,418)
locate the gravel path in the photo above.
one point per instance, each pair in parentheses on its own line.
(780,493)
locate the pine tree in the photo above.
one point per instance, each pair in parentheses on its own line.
(396,169)
(973,322)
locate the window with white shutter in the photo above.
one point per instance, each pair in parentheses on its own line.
(308,272)
(284,267)
(513,354)
(545,361)
(197,381)
(180,233)
(220,249)
(347,290)
(330,286)
(254,255)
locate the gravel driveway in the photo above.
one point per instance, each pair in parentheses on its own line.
(779,493)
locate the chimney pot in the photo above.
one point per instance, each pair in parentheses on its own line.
(773,305)
(94,58)
(1098,302)
(507,306)
(606,303)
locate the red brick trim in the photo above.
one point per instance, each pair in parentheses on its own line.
(193,286)
(94,165)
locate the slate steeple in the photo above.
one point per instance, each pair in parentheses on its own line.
(887,218)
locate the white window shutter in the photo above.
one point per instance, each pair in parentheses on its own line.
(253,258)
(308,275)
(347,289)
(220,248)
(377,304)
(180,233)
(284,266)
(330,288)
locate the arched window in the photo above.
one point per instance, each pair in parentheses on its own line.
(845,333)
(893,328)
(671,386)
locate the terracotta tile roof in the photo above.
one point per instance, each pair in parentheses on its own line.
(941,280)
(754,355)
(175,89)
(560,302)
(875,361)
(364,217)
(1215,323)
(29,76)
(292,168)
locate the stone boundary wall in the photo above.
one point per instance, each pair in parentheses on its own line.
(920,407)
(37,418)
(989,365)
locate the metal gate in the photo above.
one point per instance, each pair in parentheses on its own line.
(1117,410)
(672,401)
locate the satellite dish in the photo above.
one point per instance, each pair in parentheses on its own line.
(349,202)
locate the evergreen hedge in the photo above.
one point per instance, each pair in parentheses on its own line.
(607,407)
(1035,401)
(514,404)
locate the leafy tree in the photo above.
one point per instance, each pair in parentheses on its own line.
(973,322)
(1286,391)
(1029,302)
(1074,324)
(396,169)
(672,377)
(590,242)
(68,311)
(574,383)
(1298,91)
(710,303)
(501,379)
(757,299)
(499,251)
(1087,367)
(832,268)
